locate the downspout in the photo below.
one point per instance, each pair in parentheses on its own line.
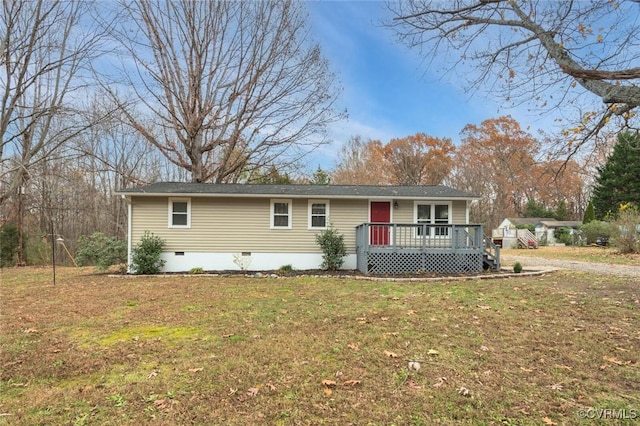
(129,231)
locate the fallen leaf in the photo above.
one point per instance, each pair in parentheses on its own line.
(412,385)
(195,370)
(271,387)
(250,393)
(351,383)
(432,352)
(152,374)
(384,318)
(390,354)
(361,319)
(485,307)
(565,367)
(440,382)
(411,312)
(556,386)
(613,360)
(329,383)
(30,331)
(327,391)
(226,336)
(464,392)
(548,421)
(353,346)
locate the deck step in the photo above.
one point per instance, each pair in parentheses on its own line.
(489,262)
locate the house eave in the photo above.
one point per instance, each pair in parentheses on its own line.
(129,195)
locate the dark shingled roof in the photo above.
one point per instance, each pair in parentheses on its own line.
(298,191)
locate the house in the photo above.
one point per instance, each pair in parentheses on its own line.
(546,229)
(510,232)
(387,229)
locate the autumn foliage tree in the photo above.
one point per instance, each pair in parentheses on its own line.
(494,160)
(418,160)
(414,160)
(360,163)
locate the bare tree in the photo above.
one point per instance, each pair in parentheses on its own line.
(46,51)
(224,88)
(541,51)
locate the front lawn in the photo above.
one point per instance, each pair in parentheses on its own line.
(586,254)
(242,351)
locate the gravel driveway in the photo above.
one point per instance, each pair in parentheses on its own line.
(574,265)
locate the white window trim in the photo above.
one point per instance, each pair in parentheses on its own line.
(170,218)
(433,213)
(326,214)
(272,213)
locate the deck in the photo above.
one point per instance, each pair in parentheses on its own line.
(398,248)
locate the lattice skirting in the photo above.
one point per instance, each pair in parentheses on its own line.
(403,263)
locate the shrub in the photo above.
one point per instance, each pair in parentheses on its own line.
(517,267)
(333,247)
(627,237)
(564,235)
(196,270)
(597,229)
(145,256)
(101,251)
(286,268)
(9,242)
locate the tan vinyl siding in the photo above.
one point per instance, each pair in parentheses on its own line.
(242,224)
(226,225)
(459,208)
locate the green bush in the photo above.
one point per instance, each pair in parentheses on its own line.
(286,268)
(145,256)
(597,229)
(333,247)
(196,270)
(564,235)
(517,267)
(101,251)
(8,244)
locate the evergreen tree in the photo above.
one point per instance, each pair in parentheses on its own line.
(535,209)
(562,212)
(618,181)
(320,177)
(589,214)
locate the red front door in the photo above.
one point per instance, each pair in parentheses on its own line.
(380,213)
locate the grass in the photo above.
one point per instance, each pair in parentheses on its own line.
(586,254)
(232,351)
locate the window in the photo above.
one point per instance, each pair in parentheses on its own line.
(281,214)
(318,214)
(433,214)
(441,216)
(179,213)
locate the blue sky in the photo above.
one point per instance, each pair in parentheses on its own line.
(387,89)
